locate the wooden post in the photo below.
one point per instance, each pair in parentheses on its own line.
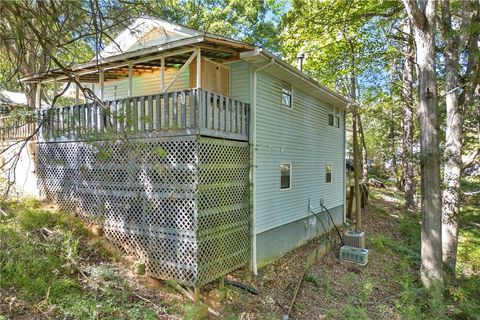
(162,74)
(102,86)
(356,172)
(199,68)
(38,96)
(77,91)
(130,82)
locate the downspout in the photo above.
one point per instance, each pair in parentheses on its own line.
(254,170)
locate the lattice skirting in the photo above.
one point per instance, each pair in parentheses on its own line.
(180,204)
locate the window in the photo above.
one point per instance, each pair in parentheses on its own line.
(330,119)
(286,94)
(285,171)
(338,121)
(328,173)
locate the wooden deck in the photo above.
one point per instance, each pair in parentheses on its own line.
(192,111)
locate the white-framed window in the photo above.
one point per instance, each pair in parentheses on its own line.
(328,173)
(285,176)
(286,94)
(330,119)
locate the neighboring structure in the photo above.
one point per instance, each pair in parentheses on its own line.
(209,153)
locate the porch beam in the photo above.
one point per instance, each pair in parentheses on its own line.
(125,63)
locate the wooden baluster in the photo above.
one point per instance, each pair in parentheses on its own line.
(158,112)
(142,117)
(221,113)
(128,114)
(175,109)
(166,111)
(183,114)
(192,101)
(208,105)
(150,113)
(202,109)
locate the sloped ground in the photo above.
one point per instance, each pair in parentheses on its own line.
(387,288)
(51,267)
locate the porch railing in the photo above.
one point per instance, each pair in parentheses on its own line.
(13,128)
(193,110)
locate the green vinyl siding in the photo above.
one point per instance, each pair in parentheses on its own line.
(300,136)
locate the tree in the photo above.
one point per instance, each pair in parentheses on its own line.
(455,41)
(407,96)
(422,15)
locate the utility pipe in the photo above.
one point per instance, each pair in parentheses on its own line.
(254,170)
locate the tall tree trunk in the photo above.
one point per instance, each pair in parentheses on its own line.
(455,43)
(407,141)
(422,14)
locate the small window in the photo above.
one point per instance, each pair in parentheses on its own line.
(330,119)
(337,118)
(285,175)
(286,94)
(328,173)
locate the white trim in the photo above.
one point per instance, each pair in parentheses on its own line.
(254,170)
(291,95)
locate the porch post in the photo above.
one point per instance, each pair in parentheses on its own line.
(162,74)
(77,91)
(199,68)
(102,87)
(38,96)
(130,80)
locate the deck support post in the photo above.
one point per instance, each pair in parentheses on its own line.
(221,283)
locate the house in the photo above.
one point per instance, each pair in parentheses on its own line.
(208,154)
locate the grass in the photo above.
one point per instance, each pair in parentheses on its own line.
(47,263)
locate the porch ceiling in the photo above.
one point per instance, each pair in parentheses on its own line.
(148,60)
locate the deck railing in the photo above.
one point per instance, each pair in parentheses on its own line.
(13,128)
(193,110)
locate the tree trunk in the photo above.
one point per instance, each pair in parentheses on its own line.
(422,14)
(453,145)
(407,143)
(362,152)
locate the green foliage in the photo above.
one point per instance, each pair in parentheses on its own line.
(40,258)
(312,278)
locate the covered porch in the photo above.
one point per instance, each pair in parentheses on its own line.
(182,87)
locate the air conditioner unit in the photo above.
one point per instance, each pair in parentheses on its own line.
(354,239)
(355,255)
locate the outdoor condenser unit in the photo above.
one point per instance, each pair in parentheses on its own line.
(355,255)
(354,239)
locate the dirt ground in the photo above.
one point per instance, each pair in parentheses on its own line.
(331,288)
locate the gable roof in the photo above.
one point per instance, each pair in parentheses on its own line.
(144,33)
(147,38)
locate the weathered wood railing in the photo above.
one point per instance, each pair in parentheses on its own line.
(13,128)
(194,110)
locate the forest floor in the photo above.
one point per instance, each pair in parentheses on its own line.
(51,267)
(387,287)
